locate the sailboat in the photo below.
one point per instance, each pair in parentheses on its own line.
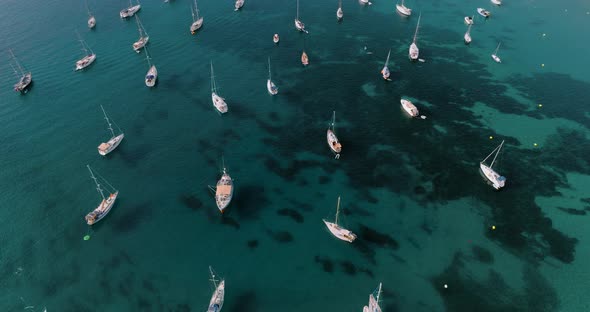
(224,190)
(365,2)
(410,108)
(218,101)
(130,11)
(152,75)
(339,13)
(495,54)
(25,77)
(143,37)
(239,4)
(105,205)
(385,71)
(483,12)
(333,142)
(467,36)
(496,2)
(270,86)
(495,178)
(91,19)
(402,9)
(216,302)
(374,301)
(468,20)
(414,51)
(197,20)
(275,38)
(304,58)
(88,58)
(299,24)
(337,230)
(114,141)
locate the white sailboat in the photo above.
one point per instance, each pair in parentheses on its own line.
(304,58)
(89,56)
(130,11)
(238,5)
(385,71)
(152,75)
(467,36)
(197,20)
(224,190)
(299,24)
(495,178)
(483,12)
(144,38)
(496,2)
(275,38)
(414,52)
(337,230)
(367,2)
(402,9)
(25,78)
(331,138)
(270,86)
(374,302)
(410,108)
(91,19)
(495,56)
(468,20)
(114,141)
(339,12)
(218,101)
(216,302)
(105,205)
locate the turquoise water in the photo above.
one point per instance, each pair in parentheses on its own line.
(410,188)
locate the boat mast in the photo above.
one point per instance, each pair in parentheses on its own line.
(378,294)
(139,28)
(88,9)
(417,25)
(333,121)
(22,72)
(387,60)
(497,48)
(196,9)
(498,148)
(297,18)
(213,277)
(340,4)
(469,28)
(213,87)
(337,211)
(269,77)
(96,182)
(108,121)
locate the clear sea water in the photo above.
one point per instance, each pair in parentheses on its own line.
(410,188)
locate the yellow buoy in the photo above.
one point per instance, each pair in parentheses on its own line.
(493,227)
(540,105)
(535,144)
(491,137)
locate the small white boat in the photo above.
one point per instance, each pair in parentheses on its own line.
(483,12)
(216,302)
(299,24)
(339,12)
(495,178)
(410,108)
(468,20)
(402,9)
(495,56)
(114,141)
(89,56)
(152,75)
(91,22)
(218,101)
(239,4)
(224,191)
(467,36)
(144,38)
(275,38)
(105,205)
(385,71)
(496,2)
(197,20)
(304,59)
(25,77)
(130,11)
(367,2)
(270,86)
(332,139)
(337,230)
(374,301)
(414,52)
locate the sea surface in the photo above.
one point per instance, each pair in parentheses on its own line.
(429,227)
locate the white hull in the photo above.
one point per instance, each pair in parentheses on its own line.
(299,25)
(483,12)
(496,2)
(468,20)
(139,44)
(275,38)
(219,103)
(410,108)
(385,72)
(340,232)
(151,77)
(339,14)
(102,210)
(23,83)
(271,87)
(111,145)
(130,11)
(333,142)
(196,25)
(239,4)
(85,61)
(403,10)
(373,305)
(216,302)
(496,179)
(91,22)
(467,38)
(496,58)
(224,191)
(414,52)
(365,2)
